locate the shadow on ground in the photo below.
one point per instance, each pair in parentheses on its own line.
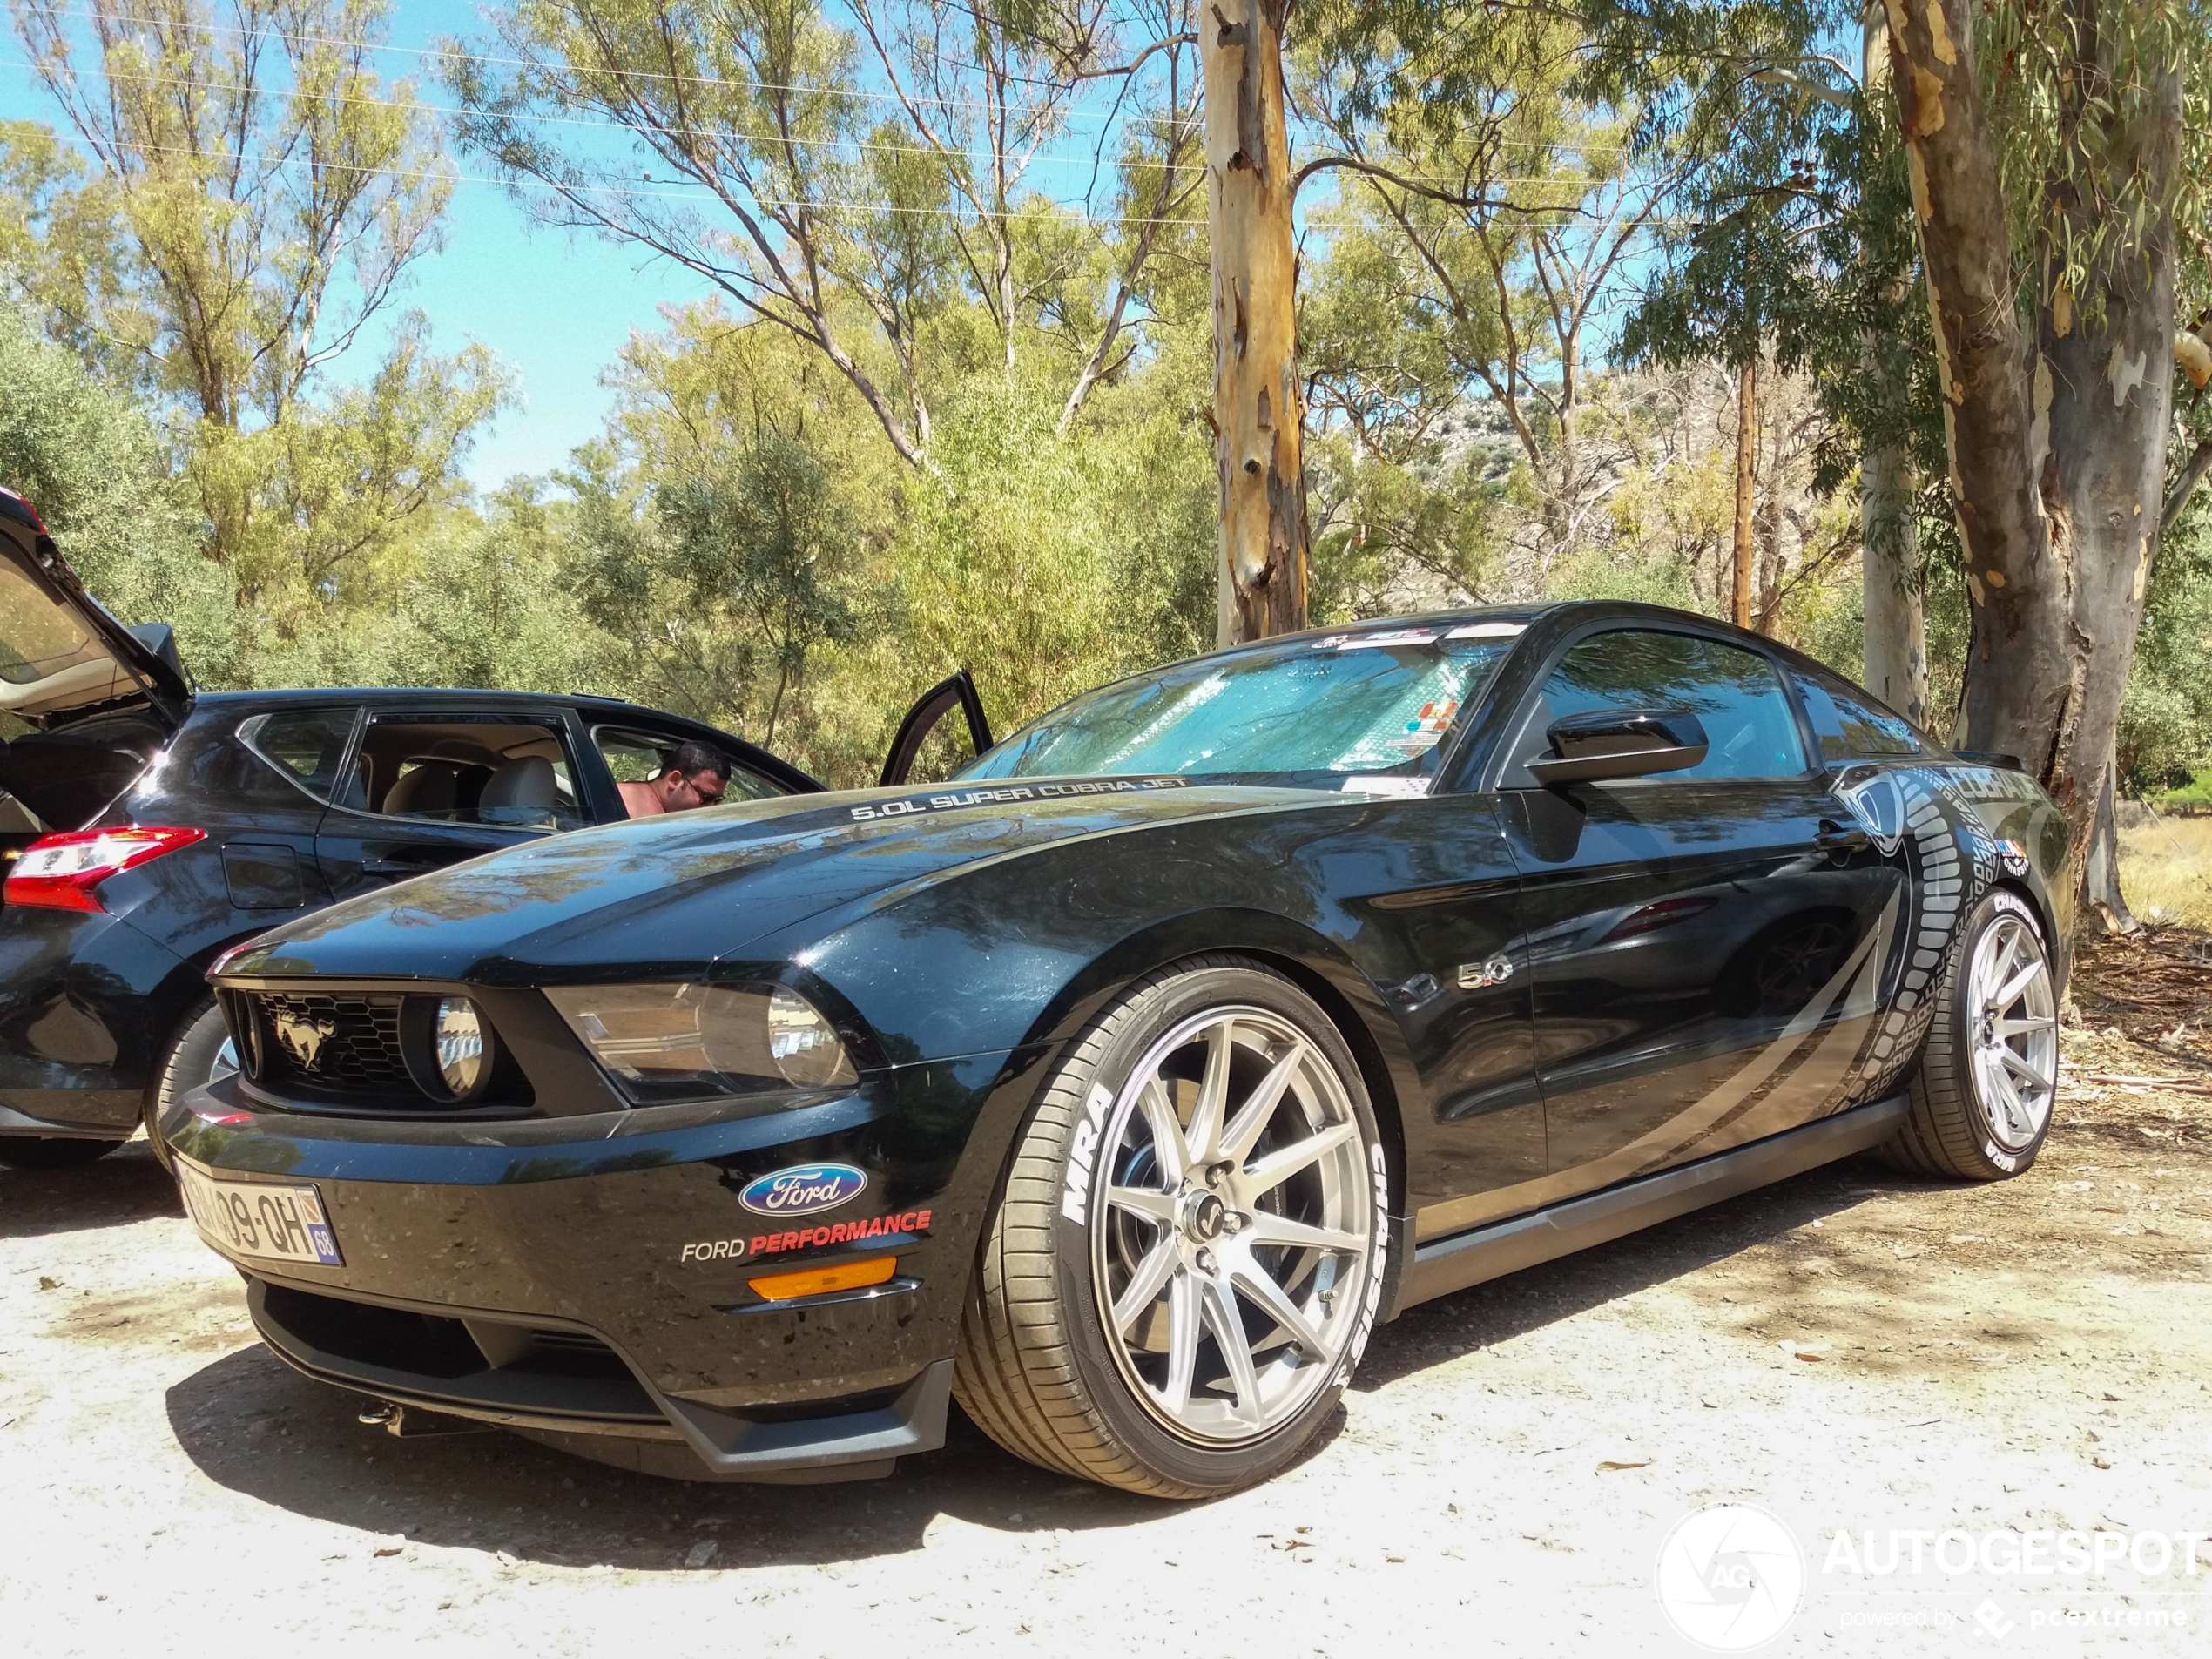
(255,1427)
(128,1184)
(252,1425)
(1484,1315)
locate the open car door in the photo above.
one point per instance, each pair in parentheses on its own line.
(927,744)
(99,700)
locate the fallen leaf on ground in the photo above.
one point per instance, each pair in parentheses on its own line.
(1610,1464)
(45,1284)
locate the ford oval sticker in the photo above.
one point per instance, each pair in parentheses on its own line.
(803,1190)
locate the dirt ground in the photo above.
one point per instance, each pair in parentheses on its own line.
(1852,1349)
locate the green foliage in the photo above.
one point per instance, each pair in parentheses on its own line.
(244,200)
(1047,564)
(91,463)
(2166,722)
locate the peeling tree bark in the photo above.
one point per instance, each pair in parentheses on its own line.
(2057,440)
(1897,635)
(1894,591)
(1258,409)
(1747,476)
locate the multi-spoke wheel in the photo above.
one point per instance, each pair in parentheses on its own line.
(1187,1260)
(1982,1096)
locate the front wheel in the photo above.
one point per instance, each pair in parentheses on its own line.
(200,1053)
(1982,1097)
(1189,1254)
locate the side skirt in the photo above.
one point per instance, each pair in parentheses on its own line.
(1443,1265)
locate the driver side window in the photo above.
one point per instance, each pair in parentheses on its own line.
(1735,693)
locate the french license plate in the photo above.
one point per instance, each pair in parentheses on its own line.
(256,1218)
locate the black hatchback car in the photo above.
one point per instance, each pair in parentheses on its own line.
(148,828)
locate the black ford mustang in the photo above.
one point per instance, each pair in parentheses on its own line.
(1119,1085)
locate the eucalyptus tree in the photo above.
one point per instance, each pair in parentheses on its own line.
(843,185)
(268,192)
(1799,242)
(2057,154)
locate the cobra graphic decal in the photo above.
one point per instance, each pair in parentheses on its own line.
(1953,860)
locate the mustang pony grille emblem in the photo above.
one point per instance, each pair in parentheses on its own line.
(303,1035)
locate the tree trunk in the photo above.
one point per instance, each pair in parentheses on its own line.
(2057,445)
(1257,411)
(2101,898)
(1897,636)
(1747,472)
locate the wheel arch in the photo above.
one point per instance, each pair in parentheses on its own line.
(2059,944)
(1308,959)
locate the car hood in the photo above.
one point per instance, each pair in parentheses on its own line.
(673,893)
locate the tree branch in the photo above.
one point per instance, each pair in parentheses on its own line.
(2193,471)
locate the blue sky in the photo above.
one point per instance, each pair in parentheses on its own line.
(557,307)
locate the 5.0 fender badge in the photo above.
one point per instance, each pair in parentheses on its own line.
(803,1190)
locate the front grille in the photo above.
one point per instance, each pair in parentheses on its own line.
(340,1041)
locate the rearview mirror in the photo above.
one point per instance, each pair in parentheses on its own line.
(1619,743)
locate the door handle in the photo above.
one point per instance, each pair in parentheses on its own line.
(1834,838)
(398,867)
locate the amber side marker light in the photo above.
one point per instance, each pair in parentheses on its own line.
(816,1281)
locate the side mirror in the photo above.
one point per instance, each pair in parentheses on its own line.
(1619,743)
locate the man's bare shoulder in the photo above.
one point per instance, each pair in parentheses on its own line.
(639,800)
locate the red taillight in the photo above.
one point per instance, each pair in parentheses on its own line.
(60,872)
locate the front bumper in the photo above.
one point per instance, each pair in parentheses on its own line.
(563,1383)
(552,1275)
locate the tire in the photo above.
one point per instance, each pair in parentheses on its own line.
(198,1054)
(51,1151)
(1289,1198)
(1975,1114)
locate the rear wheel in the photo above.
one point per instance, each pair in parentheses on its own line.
(200,1053)
(52,1152)
(1988,1073)
(1188,1256)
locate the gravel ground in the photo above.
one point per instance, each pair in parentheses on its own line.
(1852,1349)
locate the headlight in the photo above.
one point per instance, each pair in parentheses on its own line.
(677,1041)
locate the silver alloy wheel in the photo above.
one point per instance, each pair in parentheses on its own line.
(1233,1226)
(2014,1038)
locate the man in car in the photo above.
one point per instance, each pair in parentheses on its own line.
(695,776)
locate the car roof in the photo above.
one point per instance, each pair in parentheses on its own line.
(381,694)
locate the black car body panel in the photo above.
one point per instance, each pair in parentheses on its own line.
(1650,991)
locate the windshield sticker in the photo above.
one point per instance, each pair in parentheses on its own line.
(1489,630)
(1435,717)
(1405,788)
(1376,642)
(1011,793)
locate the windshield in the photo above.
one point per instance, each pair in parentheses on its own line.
(1344,711)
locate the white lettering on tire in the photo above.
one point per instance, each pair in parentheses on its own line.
(1075,1198)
